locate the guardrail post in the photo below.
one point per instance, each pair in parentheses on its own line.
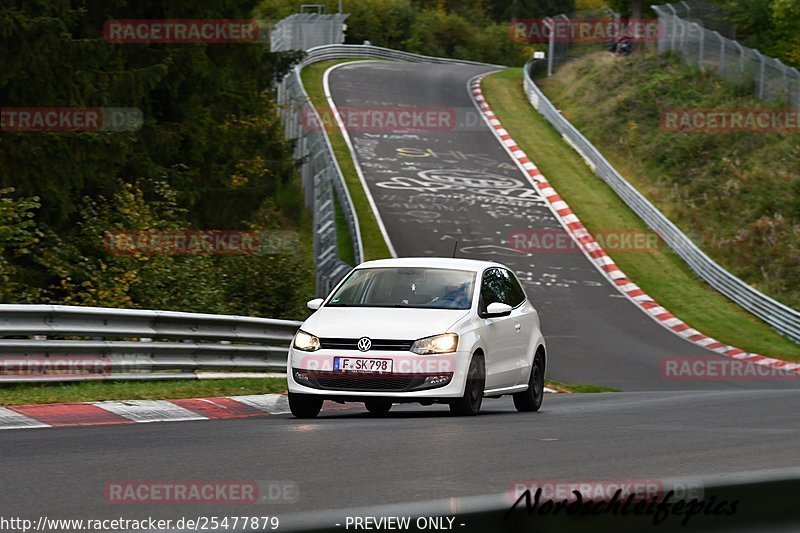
(702,33)
(741,60)
(549,22)
(674,27)
(785,76)
(186,370)
(684,25)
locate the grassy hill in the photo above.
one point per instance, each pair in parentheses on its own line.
(736,194)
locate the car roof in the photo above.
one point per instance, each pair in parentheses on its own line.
(431,262)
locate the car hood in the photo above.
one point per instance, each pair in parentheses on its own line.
(380,322)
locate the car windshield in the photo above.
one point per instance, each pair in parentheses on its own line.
(430,288)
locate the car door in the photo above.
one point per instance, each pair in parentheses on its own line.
(524,319)
(499,333)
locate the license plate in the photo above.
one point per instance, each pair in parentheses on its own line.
(361,364)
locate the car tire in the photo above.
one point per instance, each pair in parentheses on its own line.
(304,405)
(378,407)
(470,403)
(531,399)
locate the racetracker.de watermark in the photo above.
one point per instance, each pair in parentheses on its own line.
(554,241)
(74,119)
(200,242)
(690,120)
(711,368)
(201,492)
(603,489)
(584,30)
(182,31)
(385,119)
(402,119)
(53,366)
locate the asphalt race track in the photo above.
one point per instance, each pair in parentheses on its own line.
(594,334)
(346,459)
(656,428)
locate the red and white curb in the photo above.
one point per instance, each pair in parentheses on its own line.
(142,411)
(597,255)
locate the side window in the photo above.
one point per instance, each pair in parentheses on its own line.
(500,285)
(494,287)
(516,292)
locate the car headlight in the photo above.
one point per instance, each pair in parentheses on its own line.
(445,343)
(305,341)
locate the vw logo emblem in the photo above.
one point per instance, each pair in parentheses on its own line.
(364,344)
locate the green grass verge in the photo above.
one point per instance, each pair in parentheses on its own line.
(89,391)
(93,391)
(578,388)
(663,275)
(344,244)
(371,236)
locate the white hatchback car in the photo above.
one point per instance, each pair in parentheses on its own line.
(427,330)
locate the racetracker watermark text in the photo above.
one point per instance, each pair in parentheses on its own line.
(711,368)
(46,524)
(178,242)
(557,241)
(70,119)
(200,492)
(731,120)
(53,367)
(141,31)
(588,30)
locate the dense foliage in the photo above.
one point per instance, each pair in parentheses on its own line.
(210,155)
(771,26)
(736,194)
(464,29)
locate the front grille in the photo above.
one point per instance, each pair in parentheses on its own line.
(365,382)
(377,344)
(368,382)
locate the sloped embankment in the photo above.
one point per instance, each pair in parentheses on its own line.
(737,194)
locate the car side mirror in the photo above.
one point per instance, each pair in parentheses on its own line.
(497,309)
(315,304)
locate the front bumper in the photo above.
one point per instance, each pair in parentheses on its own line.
(323,381)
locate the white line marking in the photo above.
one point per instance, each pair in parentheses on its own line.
(348,142)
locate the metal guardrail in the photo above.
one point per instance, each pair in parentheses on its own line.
(322,176)
(781,317)
(135,344)
(303,31)
(345,51)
